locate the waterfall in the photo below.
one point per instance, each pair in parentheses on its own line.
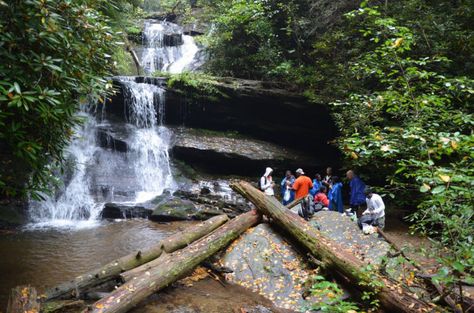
(72,205)
(150,142)
(142,172)
(167,49)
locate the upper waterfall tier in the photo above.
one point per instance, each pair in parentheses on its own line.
(166,49)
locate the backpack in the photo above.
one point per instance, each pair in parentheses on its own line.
(259,184)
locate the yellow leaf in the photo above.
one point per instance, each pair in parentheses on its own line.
(454,144)
(99,306)
(354,155)
(397,43)
(445,178)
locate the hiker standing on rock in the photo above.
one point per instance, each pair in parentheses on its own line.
(316,185)
(287,193)
(327,181)
(357,201)
(302,186)
(375,213)
(266,182)
(335,195)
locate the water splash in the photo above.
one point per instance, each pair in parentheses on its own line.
(73,206)
(171,55)
(150,142)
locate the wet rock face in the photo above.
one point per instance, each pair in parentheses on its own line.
(12,213)
(252,108)
(117,211)
(230,153)
(263,262)
(176,209)
(369,248)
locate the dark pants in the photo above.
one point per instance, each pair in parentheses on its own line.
(357,209)
(305,208)
(370,220)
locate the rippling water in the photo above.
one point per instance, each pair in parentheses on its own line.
(47,257)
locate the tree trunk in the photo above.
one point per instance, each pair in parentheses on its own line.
(112,270)
(392,296)
(174,266)
(23,299)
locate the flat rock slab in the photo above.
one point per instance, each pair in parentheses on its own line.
(264,263)
(369,248)
(229,143)
(176,209)
(231,153)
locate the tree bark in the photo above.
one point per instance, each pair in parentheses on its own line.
(23,299)
(174,266)
(392,296)
(112,270)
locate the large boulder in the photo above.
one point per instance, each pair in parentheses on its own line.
(176,209)
(369,248)
(119,211)
(265,263)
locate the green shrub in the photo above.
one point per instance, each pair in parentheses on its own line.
(55,55)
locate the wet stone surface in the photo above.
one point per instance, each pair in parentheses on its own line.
(264,263)
(206,296)
(369,248)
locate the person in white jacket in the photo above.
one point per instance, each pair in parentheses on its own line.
(266,182)
(375,213)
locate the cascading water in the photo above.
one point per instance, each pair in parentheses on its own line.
(133,176)
(150,142)
(167,49)
(74,204)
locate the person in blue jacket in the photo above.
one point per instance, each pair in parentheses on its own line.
(335,195)
(286,184)
(357,200)
(316,185)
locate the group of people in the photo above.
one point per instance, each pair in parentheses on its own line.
(325,193)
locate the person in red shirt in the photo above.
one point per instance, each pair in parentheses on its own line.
(302,186)
(321,197)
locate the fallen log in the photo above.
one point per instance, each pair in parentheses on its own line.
(174,266)
(112,270)
(392,296)
(23,299)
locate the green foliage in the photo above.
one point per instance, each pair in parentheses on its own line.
(330,297)
(251,38)
(194,84)
(123,62)
(416,126)
(55,55)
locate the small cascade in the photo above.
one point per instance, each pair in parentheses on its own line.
(150,142)
(73,204)
(167,49)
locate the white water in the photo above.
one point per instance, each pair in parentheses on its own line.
(159,57)
(74,207)
(100,175)
(150,142)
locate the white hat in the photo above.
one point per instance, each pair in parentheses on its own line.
(268,171)
(300,171)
